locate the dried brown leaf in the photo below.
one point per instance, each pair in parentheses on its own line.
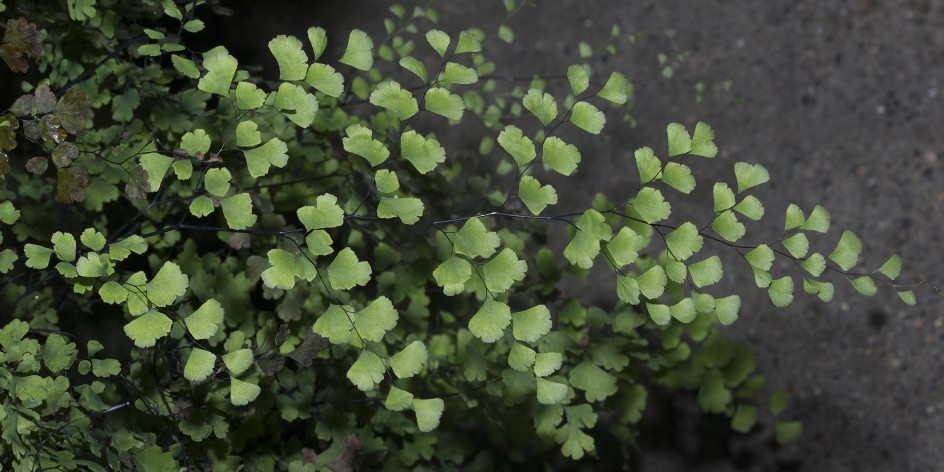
(21,37)
(37,165)
(74,110)
(72,183)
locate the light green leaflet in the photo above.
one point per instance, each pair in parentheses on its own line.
(541,105)
(560,156)
(398,400)
(652,282)
(723,196)
(439,40)
(167,285)
(847,251)
(728,227)
(346,271)
(359,52)
(891,268)
(7,258)
(679,140)
(521,357)
(296,104)
(119,250)
(703,141)
(199,365)
(469,41)
(503,271)
(750,207)
(241,393)
(660,314)
(424,153)
(815,264)
(284,267)
(535,196)
(378,317)
(818,220)
(409,361)
(238,361)
(248,96)
(795,217)
(459,74)
(195,142)
(585,245)
(651,205)
(291,58)
(679,177)
(587,117)
(490,321)
(360,141)
(761,257)
(237,210)
(335,324)
(726,309)
(428,413)
(530,325)
(750,175)
(146,329)
(706,272)
(684,241)
(579,78)
(546,363)
(217,180)
(416,67)
(798,245)
(260,159)
(318,38)
(596,383)
(93,265)
(64,246)
(392,205)
(475,240)
(247,134)
(648,164)
(452,275)
(400,102)
(326,213)
(319,242)
(58,353)
(864,285)
(520,147)
(185,66)
(781,291)
(112,292)
(624,247)
(367,371)
(325,79)
(616,89)
(204,323)
(823,290)
(441,102)
(221,68)
(156,166)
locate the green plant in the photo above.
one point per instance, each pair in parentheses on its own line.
(220,271)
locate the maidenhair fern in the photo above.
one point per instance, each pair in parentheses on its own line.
(219,272)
